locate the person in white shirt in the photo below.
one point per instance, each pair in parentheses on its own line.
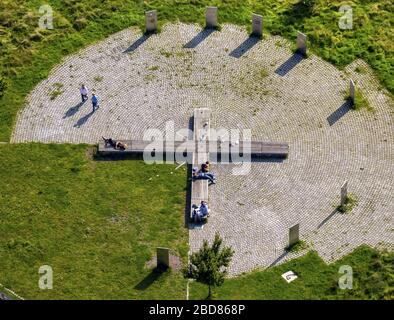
(84,93)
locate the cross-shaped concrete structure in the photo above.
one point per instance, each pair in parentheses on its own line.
(200,146)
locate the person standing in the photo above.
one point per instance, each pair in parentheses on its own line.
(95,102)
(84,93)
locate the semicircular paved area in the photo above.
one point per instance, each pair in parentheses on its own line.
(144,82)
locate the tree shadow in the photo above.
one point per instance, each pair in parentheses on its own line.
(327,218)
(296,13)
(153,276)
(289,64)
(83,120)
(73,110)
(200,37)
(245,46)
(137,43)
(339,113)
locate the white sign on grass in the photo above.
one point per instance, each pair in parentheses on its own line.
(289,276)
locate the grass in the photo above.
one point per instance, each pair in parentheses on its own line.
(372,279)
(96,223)
(297,247)
(27,54)
(263,73)
(98,78)
(360,101)
(57,91)
(153,68)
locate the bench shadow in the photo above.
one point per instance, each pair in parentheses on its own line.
(327,218)
(153,276)
(83,120)
(254,159)
(339,113)
(200,37)
(137,43)
(245,46)
(289,64)
(189,195)
(73,110)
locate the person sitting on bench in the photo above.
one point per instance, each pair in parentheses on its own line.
(115,144)
(110,142)
(197,216)
(203,175)
(121,145)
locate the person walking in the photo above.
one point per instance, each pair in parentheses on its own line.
(95,102)
(84,93)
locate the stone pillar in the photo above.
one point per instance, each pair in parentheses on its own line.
(352,90)
(211,17)
(301,43)
(257,25)
(151,21)
(294,234)
(343,193)
(163,258)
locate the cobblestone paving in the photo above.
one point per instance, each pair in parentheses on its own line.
(145,81)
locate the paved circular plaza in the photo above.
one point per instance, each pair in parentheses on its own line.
(144,82)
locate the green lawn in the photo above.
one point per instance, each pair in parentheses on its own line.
(373,278)
(96,223)
(27,54)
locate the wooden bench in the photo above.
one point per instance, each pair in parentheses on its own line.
(257,148)
(201,125)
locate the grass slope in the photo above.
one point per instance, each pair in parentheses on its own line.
(373,278)
(27,53)
(96,223)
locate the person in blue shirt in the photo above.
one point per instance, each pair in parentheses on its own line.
(204,209)
(95,102)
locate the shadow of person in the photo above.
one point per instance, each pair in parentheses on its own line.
(84,119)
(73,110)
